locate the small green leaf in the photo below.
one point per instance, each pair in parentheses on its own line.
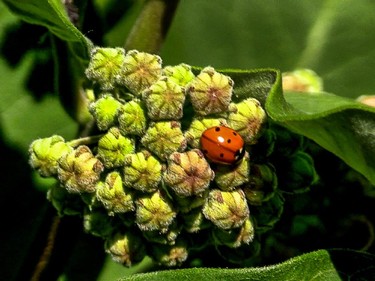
(318,265)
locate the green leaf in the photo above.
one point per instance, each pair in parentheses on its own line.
(318,265)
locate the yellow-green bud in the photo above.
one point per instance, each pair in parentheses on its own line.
(170,255)
(194,221)
(154,212)
(132,118)
(226,209)
(115,198)
(186,203)
(181,74)
(142,172)
(126,248)
(140,71)
(188,173)
(113,147)
(236,237)
(198,126)
(302,80)
(164,138)
(262,185)
(247,118)
(64,202)
(230,177)
(167,238)
(105,66)
(164,100)
(79,170)
(105,111)
(98,223)
(44,154)
(367,99)
(210,92)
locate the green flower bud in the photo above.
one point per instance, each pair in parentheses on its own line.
(140,71)
(113,147)
(79,170)
(105,66)
(188,173)
(164,138)
(247,118)
(154,212)
(236,237)
(98,223)
(142,172)
(105,111)
(64,202)
(164,100)
(113,196)
(367,99)
(226,209)
(198,126)
(166,238)
(230,177)
(195,221)
(170,255)
(126,249)
(180,74)
(186,204)
(302,80)
(262,185)
(132,118)
(210,92)
(44,154)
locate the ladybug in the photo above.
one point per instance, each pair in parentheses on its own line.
(222,145)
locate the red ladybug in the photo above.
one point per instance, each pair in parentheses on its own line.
(222,145)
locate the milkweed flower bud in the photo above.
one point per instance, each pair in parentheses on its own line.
(44,154)
(164,138)
(185,204)
(164,100)
(115,198)
(230,177)
(64,202)
(210,92)
(126,248)
(105,110)
(140,70)
(226,209)
(188,173)
(154,212)
(113,147)
(302,80)
(79,170)
(194,221)
(142,172)
(98,224)
(105,66)
(132,118)
(198,126)
(247,118)
(180,74)
(170,255)
(236,237)
(166,238)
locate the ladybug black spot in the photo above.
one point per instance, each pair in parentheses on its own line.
(221,155)
(217,129)
(234,133)
(205,151)
(229,140)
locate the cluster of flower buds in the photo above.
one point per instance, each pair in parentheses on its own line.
(143,183)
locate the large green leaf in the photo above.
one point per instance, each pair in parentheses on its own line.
(319,265)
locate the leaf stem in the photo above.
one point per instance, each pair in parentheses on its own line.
(85,140)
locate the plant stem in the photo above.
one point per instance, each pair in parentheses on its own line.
(151,27)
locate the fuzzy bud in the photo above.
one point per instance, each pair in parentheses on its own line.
(113,147)
(132,118)
(166,238)
(170,255)
(188,173)
(302,80)
(64,202)
(79,170)
(198,126)
(210,92)
(164,138)
(105,110)
(194,221)
(113,196)
(154,212)
(164,100)
(105,66)
(44,154)
(98,224)
(142,172)
(180,74)
(140,71)
(247,118)
(126,249)
(226,209)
